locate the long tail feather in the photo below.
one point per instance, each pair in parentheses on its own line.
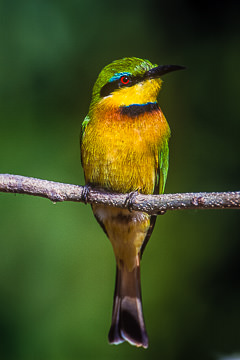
(127,317)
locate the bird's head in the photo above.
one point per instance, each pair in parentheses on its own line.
(129,81)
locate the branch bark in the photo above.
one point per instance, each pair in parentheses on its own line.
(151,204)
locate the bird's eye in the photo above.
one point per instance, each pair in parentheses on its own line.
(124,80)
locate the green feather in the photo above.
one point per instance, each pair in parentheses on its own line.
(83,128)
(163,166)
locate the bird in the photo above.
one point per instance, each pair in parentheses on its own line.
(124,149)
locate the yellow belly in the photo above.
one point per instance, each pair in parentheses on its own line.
(121,153)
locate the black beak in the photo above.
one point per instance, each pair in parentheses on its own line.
(161,70)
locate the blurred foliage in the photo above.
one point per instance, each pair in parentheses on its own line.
(57,268)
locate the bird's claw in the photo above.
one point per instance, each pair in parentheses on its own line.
(130,199)
(85,193)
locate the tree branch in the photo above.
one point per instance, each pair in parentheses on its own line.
(151,204)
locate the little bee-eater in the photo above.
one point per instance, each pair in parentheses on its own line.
(124,148)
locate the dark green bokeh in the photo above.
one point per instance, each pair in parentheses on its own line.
(56,266)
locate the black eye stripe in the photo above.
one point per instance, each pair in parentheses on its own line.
(109,87)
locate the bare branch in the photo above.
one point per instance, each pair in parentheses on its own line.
(151,204)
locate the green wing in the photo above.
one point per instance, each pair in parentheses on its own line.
(163,167)
(84,125)
(159,186)
(83,128)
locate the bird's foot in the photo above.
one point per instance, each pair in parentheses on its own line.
(130,199)
(85,193)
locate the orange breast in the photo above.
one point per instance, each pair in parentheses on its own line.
(121,152)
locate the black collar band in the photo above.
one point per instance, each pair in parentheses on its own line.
(135,110)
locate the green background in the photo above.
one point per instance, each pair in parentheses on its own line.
(57,267)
